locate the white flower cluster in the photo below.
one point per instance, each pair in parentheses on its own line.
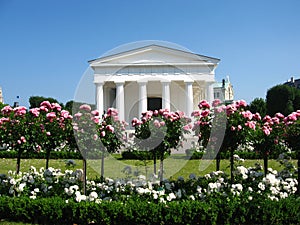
(68,185)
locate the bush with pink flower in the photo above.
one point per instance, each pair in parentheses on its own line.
(160,131)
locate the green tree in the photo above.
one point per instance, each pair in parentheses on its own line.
(35,101)
(258,105)
(296,102)
(282,98)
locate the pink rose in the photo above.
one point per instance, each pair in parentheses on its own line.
(216,102)
(156,123)
(247,115)
(6,110)
(50,116)
(204,105)
(85,107)
(95,113)
(56,106)
(46,104)
(95,137)
(110,128)
(65,114)
(20,111)
(205,113)
(112,112)
(35,112)
(196,113)
(23,139)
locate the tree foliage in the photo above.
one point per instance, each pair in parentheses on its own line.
(258,105)
(35,101)
(282,98)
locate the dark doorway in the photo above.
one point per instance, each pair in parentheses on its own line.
(154,103)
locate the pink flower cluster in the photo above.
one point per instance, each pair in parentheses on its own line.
(159,117)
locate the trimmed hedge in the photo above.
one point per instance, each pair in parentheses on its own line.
(213,211)
(41,155)
(226,155)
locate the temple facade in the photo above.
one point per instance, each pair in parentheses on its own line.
(153,77)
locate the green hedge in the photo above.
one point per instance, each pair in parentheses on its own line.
(56,211)
(226,155)
(41,155)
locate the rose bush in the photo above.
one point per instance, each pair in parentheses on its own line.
(159,131)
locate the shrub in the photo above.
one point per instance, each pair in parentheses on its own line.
(215,211)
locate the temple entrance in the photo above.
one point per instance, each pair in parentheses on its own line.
(154,103)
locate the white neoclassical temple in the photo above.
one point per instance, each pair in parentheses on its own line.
(152,77)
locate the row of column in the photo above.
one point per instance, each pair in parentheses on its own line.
(166,98)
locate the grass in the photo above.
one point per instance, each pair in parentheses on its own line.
(174,166)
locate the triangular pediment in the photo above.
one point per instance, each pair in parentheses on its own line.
(153,54)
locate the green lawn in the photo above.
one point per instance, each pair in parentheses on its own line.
(175,166)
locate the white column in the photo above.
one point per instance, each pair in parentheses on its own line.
(189,98)
(210,92)
(120,100)
(166,94)
(142,97)
(99,97)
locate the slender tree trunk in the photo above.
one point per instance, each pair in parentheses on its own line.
(218,162)
(231,165)
(47,159)
(161,169)
(84,176)
(154,162)
(102,165)
(265,164)
(18,162)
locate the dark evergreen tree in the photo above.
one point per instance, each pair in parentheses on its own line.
(258,105)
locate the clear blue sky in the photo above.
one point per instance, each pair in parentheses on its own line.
(45,44)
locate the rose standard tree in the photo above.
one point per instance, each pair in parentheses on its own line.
(237,129)
(52,124)
(110,132)
(95,133)
(266,135)
(292,138)
(209,126)
(159,132)
(17,131)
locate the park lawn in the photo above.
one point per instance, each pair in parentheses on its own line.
(174,166)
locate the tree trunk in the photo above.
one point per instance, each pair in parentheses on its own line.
(102,166)
(47,159)
(218,162)
(265,164)
(231,165)
(161,169)
(154,162)
(84,176)
(18,162)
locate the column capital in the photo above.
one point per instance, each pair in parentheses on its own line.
(99,83)
(119,82)
(141,82)
(188,81)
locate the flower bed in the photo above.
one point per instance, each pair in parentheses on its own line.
(211,198)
